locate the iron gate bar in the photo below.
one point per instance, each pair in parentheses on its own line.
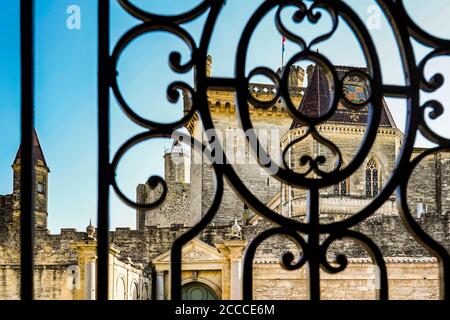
(104,80)
(200,84)
(312,250)
(313,243)
(27,174)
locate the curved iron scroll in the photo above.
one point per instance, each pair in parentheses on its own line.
(307,234)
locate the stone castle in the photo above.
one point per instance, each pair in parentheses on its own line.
(139,259)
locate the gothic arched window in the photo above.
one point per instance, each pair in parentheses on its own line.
(371,178)
(340,189)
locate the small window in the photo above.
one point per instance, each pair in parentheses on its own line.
(422,208)
(40,187)
(343,187)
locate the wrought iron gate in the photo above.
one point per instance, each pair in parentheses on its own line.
(314,251)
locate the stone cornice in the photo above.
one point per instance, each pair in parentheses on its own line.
(340,128)
(388,260)
(346,204)
(345,128)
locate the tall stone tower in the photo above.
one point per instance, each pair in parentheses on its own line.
(41,186)
(269,124)
(168,213)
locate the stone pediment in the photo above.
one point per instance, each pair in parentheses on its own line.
(194,253)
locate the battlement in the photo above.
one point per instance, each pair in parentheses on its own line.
(223,100)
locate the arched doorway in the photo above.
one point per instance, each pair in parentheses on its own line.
(197,291)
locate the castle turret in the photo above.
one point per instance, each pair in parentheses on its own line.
(296,76)
(175,163)
(41,186)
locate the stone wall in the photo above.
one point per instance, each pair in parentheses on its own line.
(56,271)
(387,231)
(6,204)
(59,267)
(144,246)
(174,210)
(383,152)
(407,281)
(129,281)
(59,276)
(52,282)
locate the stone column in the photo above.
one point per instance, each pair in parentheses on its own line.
(160,285)
(225,270)
(87,258)
(89,279)
(232,250)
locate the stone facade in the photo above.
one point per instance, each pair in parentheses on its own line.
(428,189)
(140,259)
(408,280)
(61,268)
(65,263)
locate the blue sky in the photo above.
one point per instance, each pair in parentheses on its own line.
(66,66)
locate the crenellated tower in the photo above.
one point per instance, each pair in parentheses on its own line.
(177,180)
(269,124)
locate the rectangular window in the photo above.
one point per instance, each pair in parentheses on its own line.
(344,188)
(40,187)
(422,208)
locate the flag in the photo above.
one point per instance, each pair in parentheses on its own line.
(283,40)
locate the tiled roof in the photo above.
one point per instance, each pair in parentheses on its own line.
(316,101)
(38,154)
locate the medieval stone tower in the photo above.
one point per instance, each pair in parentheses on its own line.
(270,125)
(11,203)
(175,162)
(177,179)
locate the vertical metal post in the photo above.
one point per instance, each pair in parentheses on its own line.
(313,244)
(103,149)
(27,150)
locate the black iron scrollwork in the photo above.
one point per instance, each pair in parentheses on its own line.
(305,234)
